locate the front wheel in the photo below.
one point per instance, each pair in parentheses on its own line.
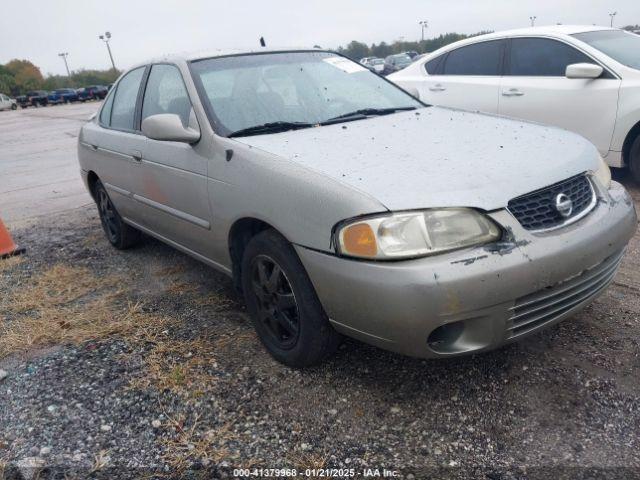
(634,160)
(14,106)
(283,304)
(119,234)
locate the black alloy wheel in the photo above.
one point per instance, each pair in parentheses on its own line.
(276,303)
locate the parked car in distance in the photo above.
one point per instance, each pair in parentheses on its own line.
(582,78)
(33,98)
(339,204)
(374,64)
(94,92)
(63,95)
(7,103)
(394,63)
(412,54)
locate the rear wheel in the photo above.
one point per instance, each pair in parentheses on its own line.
(283,304)
(634,160)
(14,106)
(119,234)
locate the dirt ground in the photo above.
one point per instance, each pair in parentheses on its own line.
(143,364)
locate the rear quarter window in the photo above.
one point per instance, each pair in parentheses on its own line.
(432,67)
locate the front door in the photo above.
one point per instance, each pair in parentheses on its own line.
(535,88)
(171,181)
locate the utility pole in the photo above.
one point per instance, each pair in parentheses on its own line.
(105,38)
(424,24)
(611,15)
(64,56)
(533,20)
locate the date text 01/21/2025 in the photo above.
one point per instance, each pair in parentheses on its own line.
(315,472)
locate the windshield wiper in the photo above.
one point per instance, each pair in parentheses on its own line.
(270,127)
(365,112)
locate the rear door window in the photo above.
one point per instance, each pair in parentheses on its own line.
(124,101)
(480,59)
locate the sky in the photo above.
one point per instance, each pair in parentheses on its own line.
(37,30)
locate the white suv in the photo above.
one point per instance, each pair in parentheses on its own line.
(582,78)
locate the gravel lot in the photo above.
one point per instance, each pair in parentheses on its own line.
(143,364)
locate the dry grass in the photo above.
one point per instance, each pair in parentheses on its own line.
(190,444)
(303,460)
(180,366)
(181,288)
(67,304)
(172,270)
(8,264)
(101,460)
(218,301)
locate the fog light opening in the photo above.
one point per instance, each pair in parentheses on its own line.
(462,336)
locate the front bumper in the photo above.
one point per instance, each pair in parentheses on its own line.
(476,299)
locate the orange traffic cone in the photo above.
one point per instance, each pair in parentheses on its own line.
(7,247)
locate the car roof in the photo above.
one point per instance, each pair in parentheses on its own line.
(545,30)
(202,54)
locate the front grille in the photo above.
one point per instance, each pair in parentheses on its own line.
(537,211)
(548,304)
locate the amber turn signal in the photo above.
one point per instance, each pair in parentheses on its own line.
(359,240)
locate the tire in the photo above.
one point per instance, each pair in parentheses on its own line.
(119,234)
(283,304)
(634,160)
(14,106)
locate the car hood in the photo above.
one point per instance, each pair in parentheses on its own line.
(436,157)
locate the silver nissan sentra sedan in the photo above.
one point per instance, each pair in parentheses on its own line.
(340,204)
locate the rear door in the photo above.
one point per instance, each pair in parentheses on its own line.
(115,144)
(171,185)
(535,88)
(467,77)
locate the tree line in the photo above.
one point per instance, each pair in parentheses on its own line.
(20,76)
(357,50)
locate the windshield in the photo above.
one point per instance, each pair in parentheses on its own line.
(623,47)
(377,61)
(244,91)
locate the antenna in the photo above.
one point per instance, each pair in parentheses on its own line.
(262,43)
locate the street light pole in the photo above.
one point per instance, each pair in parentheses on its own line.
(105,38)
(64,56)
(533,20)
(611,15)
(424,24)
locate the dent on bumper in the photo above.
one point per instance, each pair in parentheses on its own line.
(398,305)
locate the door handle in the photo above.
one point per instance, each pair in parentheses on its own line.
(136,155)
(512,92)
(437,88)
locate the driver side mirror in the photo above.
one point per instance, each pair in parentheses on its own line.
(169,128)
(584,71)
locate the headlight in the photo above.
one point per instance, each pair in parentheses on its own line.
(415,234)
(603,174)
